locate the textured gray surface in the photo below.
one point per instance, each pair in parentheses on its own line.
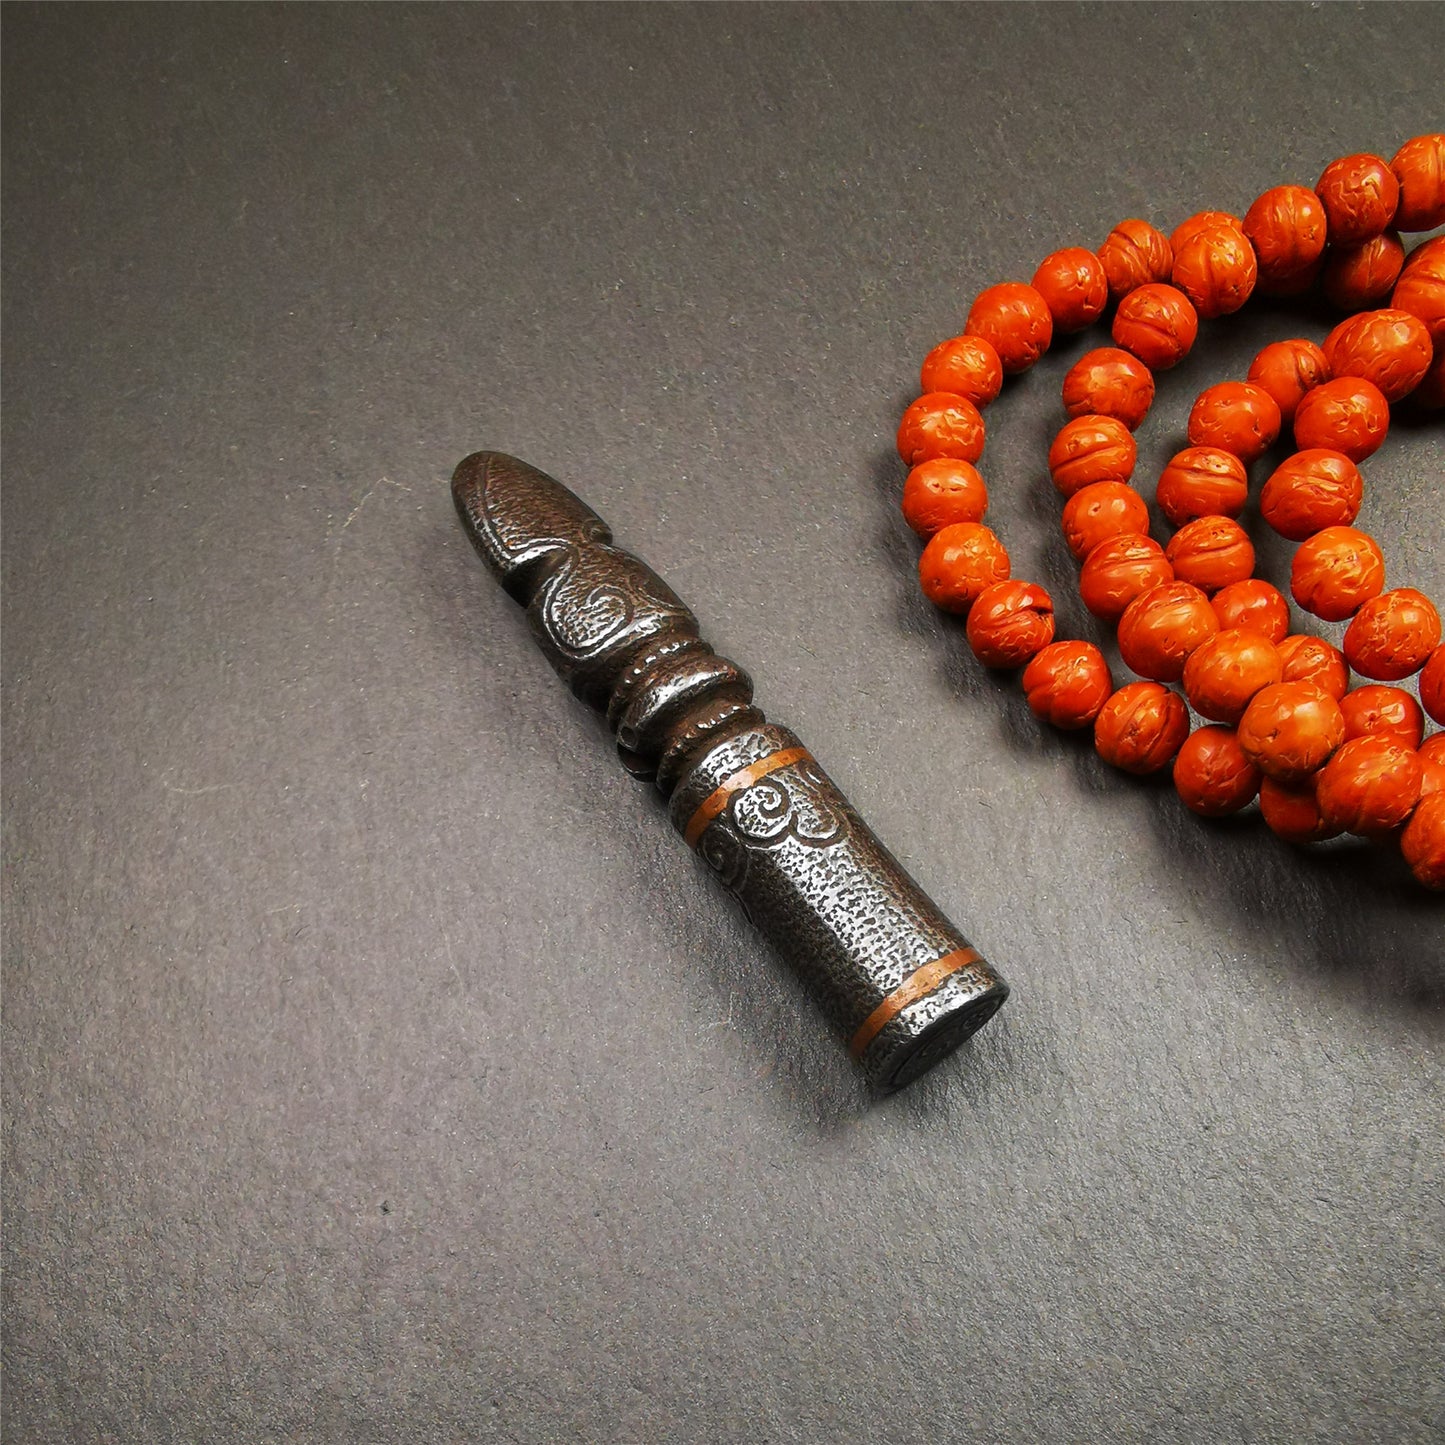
(378,1065)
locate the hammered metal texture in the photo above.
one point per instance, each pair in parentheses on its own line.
(773,827)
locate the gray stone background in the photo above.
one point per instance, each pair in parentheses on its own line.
(378,1066)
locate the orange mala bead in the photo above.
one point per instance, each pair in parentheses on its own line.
(1109,382)
(1421,287)
(1202,482)
(1290,729)
(1310,491)
(1392,635)
(1191,226)
(1306,658)
(959,563)
(1391,349)
(1360,195)
(1419,166)
(1158,324)
(1235,416)
(1423,841)
(1211,552)
(1067,684)
(1134,254)
(1009,623)
(1100,511)
(1217,270)
(1356,276)
(940,425)
(1432,686)
(1376,710)
(1160,628)
(938,493)
(1119,570)
(1291,812)
(1369,787)
(1015,320)
(1287,228)
(1225,671)
(1091,449)
(1288,369)
(1141,727)
(1336,571)
(1212,775)
(966,366)
(1074,287)
(1253,604)
(1346,414)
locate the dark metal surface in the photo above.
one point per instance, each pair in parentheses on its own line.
(772,826)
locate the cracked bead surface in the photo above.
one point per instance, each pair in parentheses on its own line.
(1378,710)
(1363,275)
(1419,167)
(1359,194)
(1345,414)
(1421,288)
(1134,254)
(1217,270)
(1307,658)
(1288,228)
(1389,348)
(1290,729)
(1255,604)
(1237,417)
(1211,552)
(1100,511)
(1158,324)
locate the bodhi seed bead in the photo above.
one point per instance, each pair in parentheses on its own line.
(1377,710)
(1290,729)
(1109,382)
(1391,349)
(1287,228)
(1134,254)
(1202,482)
(1423,841)
(1359,194)
(1254,604)
(1158,324)
(1162,627)
(1100,511)
(1419,166)
(1392,635)
(940,425)
(1141,727)
(941,492)
(1119,570)
(1237,417)
(1291,812)
(1336,571)
(1310,491)
(1216,270)
(1067,684)
(1287,370)
(1369,787)
(1225,671)
(1306,658)
(1212,775)
(1346,414)
(1015,320)
(1211,552)
(1363,275)
(1074,287)
(1191,226)
(1432,686)
(959,563)
(1091,449)
(1009,623)
(1421,287)
(966,366)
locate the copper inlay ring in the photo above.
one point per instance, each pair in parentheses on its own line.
(920,982)
(721,795)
